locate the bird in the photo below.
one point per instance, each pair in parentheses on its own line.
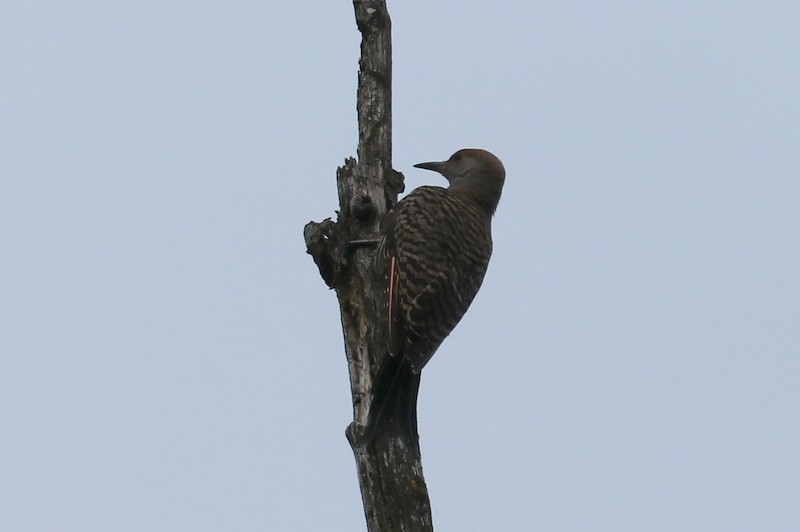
(434,251)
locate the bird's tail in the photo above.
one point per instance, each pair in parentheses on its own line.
(394,398)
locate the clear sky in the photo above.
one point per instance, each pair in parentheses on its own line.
(170,359)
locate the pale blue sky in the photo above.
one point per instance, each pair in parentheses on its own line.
(171,361)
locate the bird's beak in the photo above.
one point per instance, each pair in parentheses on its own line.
(436,167)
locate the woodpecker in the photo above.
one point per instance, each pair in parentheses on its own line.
(434,250)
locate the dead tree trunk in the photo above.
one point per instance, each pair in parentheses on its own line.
(390,467)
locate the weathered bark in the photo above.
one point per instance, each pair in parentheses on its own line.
(389,468)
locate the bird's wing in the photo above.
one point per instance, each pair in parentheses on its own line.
(434,313)
(394,315)
(435,276)
(387,259)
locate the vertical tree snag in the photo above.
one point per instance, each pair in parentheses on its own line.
(389,468)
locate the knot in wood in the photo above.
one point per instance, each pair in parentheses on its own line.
(363,208)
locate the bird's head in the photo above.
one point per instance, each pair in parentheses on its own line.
(473,172)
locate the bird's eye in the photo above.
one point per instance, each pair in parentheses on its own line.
(457,157)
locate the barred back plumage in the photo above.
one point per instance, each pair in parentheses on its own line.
(434,252)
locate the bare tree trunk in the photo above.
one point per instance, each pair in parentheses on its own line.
(390,467)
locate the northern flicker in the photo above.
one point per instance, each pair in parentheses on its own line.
(434,251)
